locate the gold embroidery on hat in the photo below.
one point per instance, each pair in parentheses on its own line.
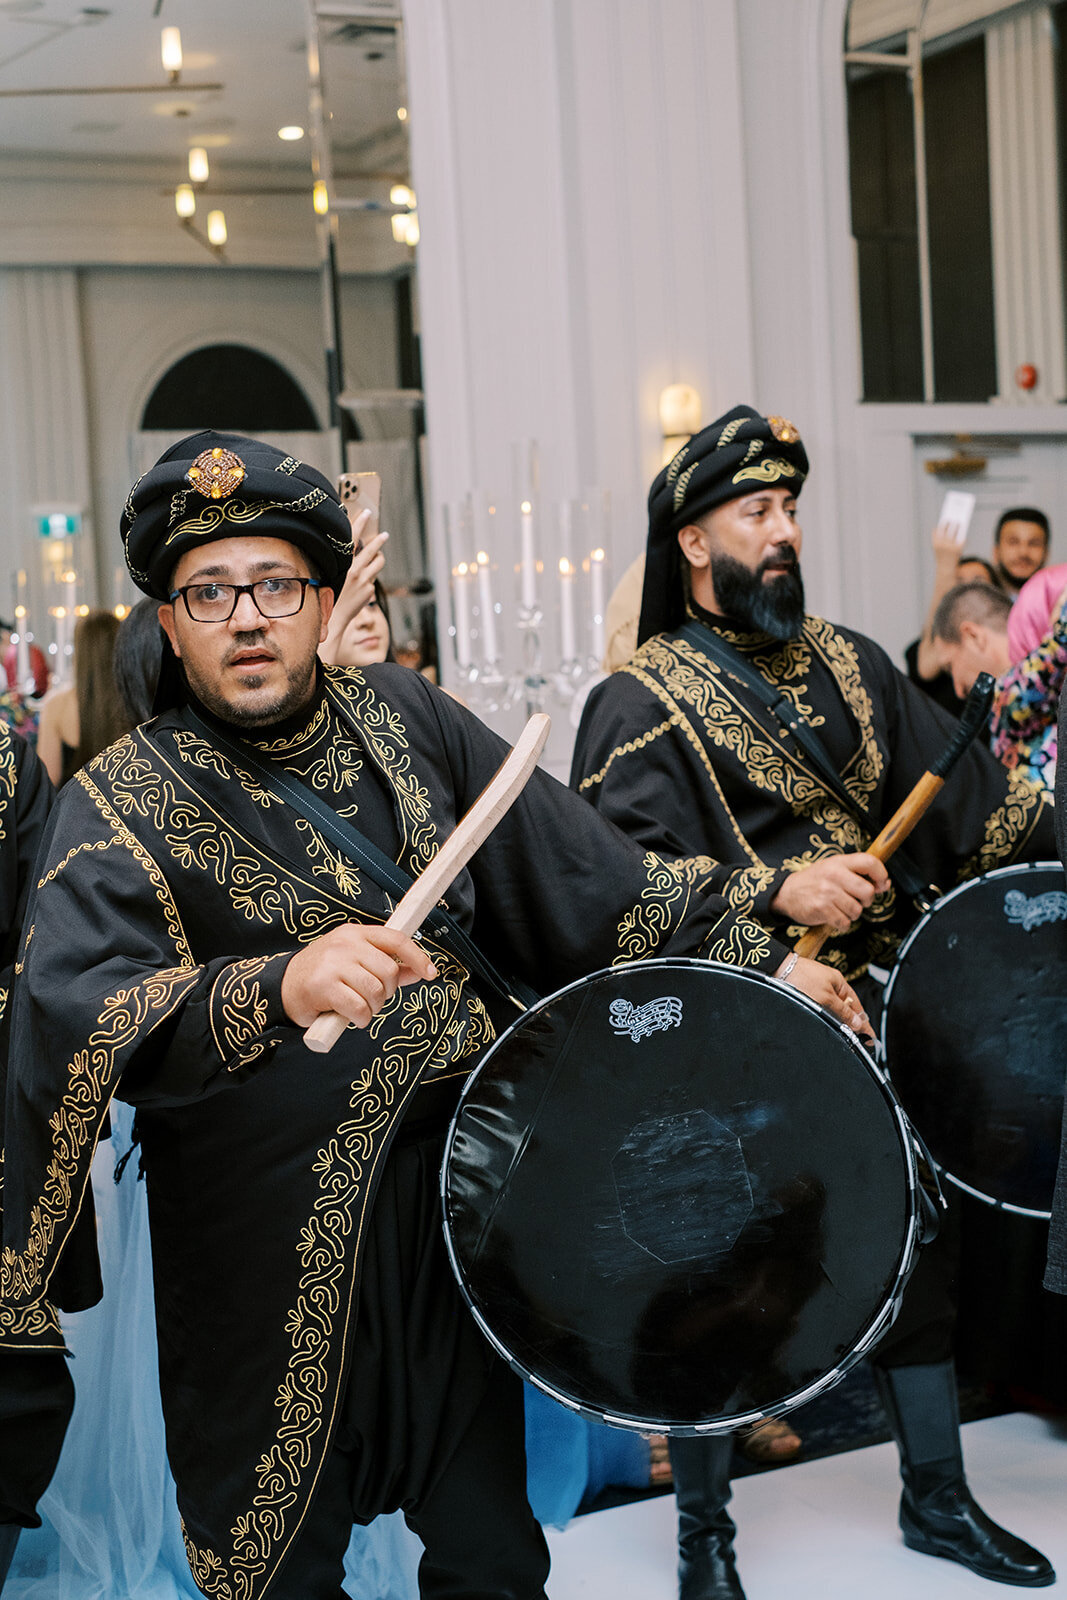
(783,430)
(731,428)
(754,448)
(682,484)
(215,473)
(769,470)
(288,466)
(675,466)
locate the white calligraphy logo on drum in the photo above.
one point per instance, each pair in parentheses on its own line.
(639,1021)
(1031,913)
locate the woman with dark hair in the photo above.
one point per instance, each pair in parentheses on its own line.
(83,719)
(138,652)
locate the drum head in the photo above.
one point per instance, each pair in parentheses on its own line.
(677,1195)
(975,1033)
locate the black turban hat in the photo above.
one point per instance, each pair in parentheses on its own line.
(215,485)
(736,455)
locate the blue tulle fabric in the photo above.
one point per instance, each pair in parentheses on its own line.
(110,1527)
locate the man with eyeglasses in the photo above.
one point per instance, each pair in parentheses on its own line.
(194,912)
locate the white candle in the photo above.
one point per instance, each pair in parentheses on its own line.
(460,577)
(596,576)
(566,608)
(485,606)
(22,622)
(528,557)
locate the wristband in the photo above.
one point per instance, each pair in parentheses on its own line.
(786,968)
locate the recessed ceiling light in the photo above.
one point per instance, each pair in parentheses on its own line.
(402,113)
(291,131)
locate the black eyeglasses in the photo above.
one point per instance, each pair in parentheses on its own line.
(272,597)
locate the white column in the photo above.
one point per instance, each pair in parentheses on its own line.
(44,425)
(1025,205)
(583,200)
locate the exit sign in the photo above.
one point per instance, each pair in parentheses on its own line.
(57,522)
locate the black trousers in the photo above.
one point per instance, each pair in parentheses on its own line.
(482,1541)
(36,1401)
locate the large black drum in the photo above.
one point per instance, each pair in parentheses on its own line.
(974,1033)
(679,1195)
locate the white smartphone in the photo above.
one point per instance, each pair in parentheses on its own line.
(361,491)
(958,507)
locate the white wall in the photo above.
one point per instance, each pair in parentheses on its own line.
(614,197)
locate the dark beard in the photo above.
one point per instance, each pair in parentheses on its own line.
(776,607)
(299,687)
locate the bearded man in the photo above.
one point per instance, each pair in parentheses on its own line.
(210,885)
(701,748)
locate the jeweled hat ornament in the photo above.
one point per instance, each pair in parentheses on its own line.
(740,452)
(217,485)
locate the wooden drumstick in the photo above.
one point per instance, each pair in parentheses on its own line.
(975,716)
(469,833)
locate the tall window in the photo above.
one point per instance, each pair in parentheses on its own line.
(953,149)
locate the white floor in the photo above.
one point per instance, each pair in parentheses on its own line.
(826,1530)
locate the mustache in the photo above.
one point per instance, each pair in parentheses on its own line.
(248,641)
(784,560)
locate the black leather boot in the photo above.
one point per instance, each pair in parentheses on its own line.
(706,1565)
(938,1514)
(9,1538)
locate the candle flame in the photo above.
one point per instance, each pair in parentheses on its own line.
(565,568)
(596,555)
(81,611)
(526,508)
(483,559)
(59,611)
(70,577)
(20,611)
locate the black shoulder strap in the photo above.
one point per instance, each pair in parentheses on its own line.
(901,868)
(358,848)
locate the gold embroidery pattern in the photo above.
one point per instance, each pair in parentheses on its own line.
(199,753)
(385,739)
(769,470)
(631,747)
(682,485)
(730,432)
(76,1123)
(742,944)
(207,523)
(661,907)
(675,465)
(1009,826)
(238,1009)
(284,746)
(198,837)
(328,862)
(134,845)
(31,1327)
(79,849)
(423,1027)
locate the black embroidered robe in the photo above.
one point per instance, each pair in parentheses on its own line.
(173,890)
(685,760)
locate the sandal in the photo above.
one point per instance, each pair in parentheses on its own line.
(769,1441)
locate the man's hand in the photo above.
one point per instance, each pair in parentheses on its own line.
(355,970)
(835,891)
(830,989)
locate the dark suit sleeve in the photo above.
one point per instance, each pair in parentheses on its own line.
(635,764)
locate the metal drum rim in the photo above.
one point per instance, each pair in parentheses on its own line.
(881,1319)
